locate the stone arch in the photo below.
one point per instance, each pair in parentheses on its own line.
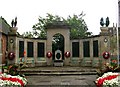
(58,44)
(63,30)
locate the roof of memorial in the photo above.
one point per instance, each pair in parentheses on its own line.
(57,24)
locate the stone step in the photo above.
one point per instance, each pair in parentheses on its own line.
(58,71)
(60,74)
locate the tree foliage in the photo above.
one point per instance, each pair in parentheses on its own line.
(78,26)
(28,34)
(76,22)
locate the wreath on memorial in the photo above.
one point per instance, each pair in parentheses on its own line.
(49,54)
(11,55)
(106,55)
(67,54)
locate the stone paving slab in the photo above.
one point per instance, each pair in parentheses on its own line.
(62,81)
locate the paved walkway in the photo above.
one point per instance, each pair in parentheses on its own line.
(60,76)
(61,81)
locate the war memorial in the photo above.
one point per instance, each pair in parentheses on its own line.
(92,52)
(73,52)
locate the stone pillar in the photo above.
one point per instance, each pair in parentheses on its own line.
(67,48)
(49,48)
(91,49)
(104,44)
(25,49)
(12,43)
(104,31)
(35,51)
(81,49)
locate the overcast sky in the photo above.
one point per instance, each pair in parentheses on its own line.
(28,11)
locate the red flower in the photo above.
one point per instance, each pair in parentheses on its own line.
(101,80)
(14,80)
(114,61)
(24,53)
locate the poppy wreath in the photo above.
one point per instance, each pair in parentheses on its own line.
(49,54)
(67,54)
(11,55)
(106,55)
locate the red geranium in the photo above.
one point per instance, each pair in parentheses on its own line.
(101,80)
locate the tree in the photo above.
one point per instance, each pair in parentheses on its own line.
(76,22)
(40,26)
(28,34)
(78,26)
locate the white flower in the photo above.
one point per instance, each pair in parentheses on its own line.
(10,82)
(113,82)
(108,82)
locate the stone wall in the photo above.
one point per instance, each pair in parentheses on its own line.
(86,61)
(31,61)
(104,44)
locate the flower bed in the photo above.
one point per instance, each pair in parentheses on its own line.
(108,67)
(8,80)
(108,79)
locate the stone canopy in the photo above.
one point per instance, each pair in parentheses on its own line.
(57,24)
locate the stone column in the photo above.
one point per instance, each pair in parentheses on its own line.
(91,49)
(25,49)
(12,43)
(67,48)
(49,48)
(81,49)
(104,44)
(104,30)
(35,51)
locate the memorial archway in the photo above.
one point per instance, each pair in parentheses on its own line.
(59,28)
(58,44)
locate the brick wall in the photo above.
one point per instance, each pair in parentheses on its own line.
(4,42)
